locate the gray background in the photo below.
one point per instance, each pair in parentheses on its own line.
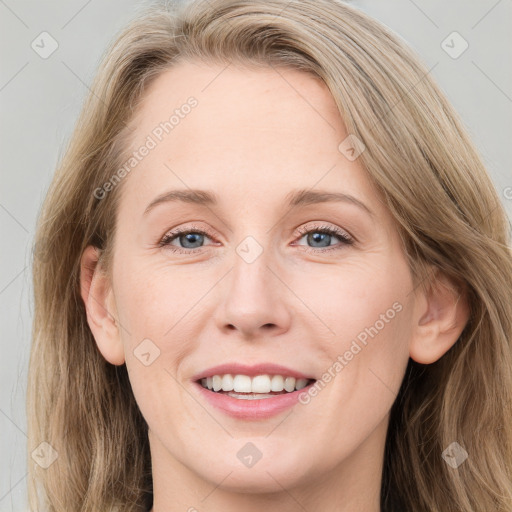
(40,100)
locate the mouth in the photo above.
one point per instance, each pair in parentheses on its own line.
(252,398)
(259,387)
(251,392)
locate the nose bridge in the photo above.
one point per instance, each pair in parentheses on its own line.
(250,269)
(253,298)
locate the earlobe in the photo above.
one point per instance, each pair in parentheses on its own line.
(97,294)
(440,316)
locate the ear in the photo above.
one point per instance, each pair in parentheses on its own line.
(97,294)
(441,315)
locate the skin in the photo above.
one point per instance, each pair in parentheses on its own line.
(254,137)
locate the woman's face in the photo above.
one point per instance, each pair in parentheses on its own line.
(266,285)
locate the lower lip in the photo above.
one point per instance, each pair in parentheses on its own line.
(261,408)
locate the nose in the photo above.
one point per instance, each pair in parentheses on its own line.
(254,300)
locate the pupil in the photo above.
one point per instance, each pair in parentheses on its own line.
(317,237)
(187,237)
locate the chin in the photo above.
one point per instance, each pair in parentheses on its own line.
(252,481)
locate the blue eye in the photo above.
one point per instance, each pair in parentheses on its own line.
(191,239)
(323,235)
(188,237)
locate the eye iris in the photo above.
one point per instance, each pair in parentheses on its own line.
(318,237)
(187,239)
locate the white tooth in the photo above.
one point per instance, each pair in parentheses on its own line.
(277,383)
(301,383)
(217,382)
(289,384)
(261,384)
(227,382)
(242,383)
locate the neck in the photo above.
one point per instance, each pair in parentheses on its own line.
(354,484)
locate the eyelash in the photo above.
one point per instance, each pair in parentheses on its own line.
(328,230)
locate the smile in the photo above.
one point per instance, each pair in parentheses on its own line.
(252,398)
(245,387)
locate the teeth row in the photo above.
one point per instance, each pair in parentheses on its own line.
(258,384)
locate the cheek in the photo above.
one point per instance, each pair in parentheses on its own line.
(368,308)
(356,296)
(160,336)
(154,300)
(364,362)
(154,309)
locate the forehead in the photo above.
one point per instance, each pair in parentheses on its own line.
(217,85)
(254,132)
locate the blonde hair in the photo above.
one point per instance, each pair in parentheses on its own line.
(433,181)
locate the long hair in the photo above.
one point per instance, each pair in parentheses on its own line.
(432,180)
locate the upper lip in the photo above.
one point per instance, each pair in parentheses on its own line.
(251,371)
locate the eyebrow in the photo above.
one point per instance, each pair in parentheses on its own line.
(295,198)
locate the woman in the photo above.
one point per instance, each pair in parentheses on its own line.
(195,349)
